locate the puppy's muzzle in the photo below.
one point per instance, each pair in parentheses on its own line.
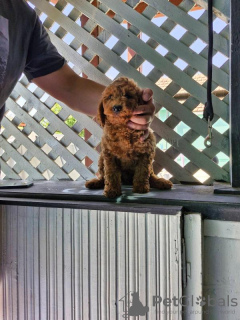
(117,108)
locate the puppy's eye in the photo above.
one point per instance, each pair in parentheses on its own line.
(128,96)
(109,97)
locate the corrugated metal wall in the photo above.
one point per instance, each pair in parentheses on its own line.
(79,264)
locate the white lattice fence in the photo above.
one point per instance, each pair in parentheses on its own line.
(166,42)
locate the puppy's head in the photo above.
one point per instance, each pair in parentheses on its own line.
(118,101)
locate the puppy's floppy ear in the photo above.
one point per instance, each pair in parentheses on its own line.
(101,116)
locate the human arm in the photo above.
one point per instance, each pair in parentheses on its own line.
(48,70)
(78,93)
(83,95)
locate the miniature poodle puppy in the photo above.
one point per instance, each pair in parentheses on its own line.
(124,158)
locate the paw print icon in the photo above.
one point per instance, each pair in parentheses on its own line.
(201,301)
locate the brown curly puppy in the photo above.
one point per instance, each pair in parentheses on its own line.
(124,158)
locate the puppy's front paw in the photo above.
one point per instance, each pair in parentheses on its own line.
(163,184)
(168,184)
(160,183)
(112,193)
(141,188)
(94,184)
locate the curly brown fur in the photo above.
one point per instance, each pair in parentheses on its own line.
(124,158)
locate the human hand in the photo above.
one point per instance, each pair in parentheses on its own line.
(143,115)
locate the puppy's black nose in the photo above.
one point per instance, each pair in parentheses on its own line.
(117,108)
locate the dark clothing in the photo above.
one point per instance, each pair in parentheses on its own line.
(24,47)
